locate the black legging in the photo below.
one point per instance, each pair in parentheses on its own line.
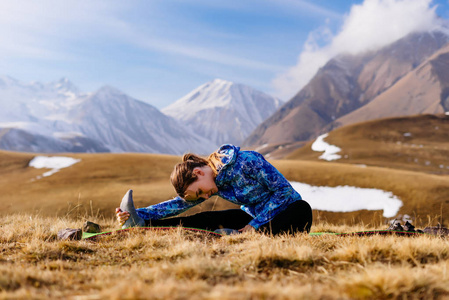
(297,217)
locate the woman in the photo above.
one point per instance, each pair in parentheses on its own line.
(268,201)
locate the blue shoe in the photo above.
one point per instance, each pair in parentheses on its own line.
(128,205)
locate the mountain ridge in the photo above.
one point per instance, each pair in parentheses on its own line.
(58,117)
(345,84)
(223,111)
(422,85)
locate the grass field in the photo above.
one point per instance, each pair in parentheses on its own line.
(184,265)
(97,183)
(176,264)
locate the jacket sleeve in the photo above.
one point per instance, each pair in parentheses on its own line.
(281,193)
(167,208)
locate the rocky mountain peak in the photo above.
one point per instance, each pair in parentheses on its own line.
(223,111)
(345,84)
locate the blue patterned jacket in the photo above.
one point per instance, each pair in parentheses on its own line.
(246,179)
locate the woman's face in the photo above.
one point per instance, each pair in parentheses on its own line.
(204,186)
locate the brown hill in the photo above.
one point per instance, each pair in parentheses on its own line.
(417,143)
(96,184)
(348,83)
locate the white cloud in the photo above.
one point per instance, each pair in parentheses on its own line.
(368,26)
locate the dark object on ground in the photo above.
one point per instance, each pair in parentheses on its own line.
(437,230)
(396,226)
(408,226)
(91,227)
(70,234)
(226,231)
(370,233)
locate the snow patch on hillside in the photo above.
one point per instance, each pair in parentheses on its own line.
(329,150)
(55,163)
(348,198)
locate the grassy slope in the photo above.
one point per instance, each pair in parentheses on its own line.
(97,183)
(418,143)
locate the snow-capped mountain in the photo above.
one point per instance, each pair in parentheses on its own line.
(57,117)
(23,102)
(126,124)
(222,111)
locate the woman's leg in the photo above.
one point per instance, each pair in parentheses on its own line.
(296,218)
(209,220)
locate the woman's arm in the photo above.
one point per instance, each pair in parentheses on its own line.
(158,211)
(167,208)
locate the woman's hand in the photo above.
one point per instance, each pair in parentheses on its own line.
(122,216)
(247,228)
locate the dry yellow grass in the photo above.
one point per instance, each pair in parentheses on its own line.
(415,143)
(97,183)
(181,265)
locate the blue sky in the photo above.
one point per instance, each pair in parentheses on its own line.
(159,50)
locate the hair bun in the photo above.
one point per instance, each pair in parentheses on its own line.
(188,156)
(193,158)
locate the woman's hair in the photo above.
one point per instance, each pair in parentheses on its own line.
(183,176)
